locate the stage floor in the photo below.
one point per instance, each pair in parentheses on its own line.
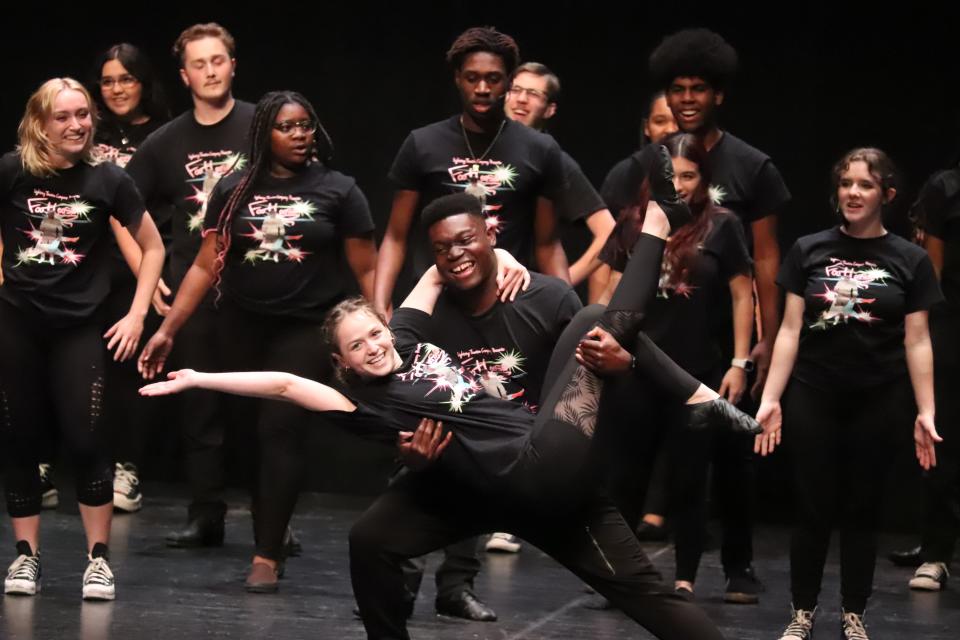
(185,594)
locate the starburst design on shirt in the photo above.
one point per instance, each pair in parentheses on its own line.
(511,361)
(874,275)
(505,175)
(195,221)
(494,223)
(717,194)
(235,162)
(79,209)
(302,209)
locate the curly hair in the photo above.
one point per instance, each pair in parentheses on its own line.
(486,39)
(699,53)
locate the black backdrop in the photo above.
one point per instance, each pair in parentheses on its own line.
(815,80)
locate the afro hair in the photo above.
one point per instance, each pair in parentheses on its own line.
(697,53)
(486,39)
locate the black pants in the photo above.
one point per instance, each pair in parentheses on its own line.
(422,513)
(461,561)
(842,443)
(202,414)
(51,373)
(254,342)
(129,417)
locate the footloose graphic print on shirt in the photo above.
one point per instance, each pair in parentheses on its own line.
(56,214)
(846,296)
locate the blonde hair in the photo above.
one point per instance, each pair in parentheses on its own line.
(36,152)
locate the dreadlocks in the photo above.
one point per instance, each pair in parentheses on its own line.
(260,132)
(486,39)
(689,53)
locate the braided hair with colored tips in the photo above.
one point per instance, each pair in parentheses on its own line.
(261,130)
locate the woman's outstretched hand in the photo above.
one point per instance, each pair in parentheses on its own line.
(512,277)
(925,436)
(770,418)
(418,449)
(177,381)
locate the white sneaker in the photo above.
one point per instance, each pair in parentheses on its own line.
(23,576)
(126,488)
(51,497)
(853,628)
(930,576)
(98,581)
(503,542)
(801,625)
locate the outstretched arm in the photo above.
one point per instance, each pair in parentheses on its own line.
(273,385)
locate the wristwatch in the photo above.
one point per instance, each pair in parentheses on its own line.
(744,363)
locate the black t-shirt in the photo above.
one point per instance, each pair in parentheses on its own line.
(286,240)
(856,293)
(177,167)
(690,319)
(489,435)
(578,199)
(116,143)
(745,181)
(508,348)
(56,234)
(513,169)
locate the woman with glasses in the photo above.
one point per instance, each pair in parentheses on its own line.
(131,102)
(273,242)
(131,107)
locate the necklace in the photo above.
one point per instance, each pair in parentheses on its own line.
(466,140)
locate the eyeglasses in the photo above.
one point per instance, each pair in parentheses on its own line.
(126,81)
(533,94)
(286,127)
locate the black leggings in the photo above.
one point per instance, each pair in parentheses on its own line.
(254,342)
(564,427)
(842,443)
(51,373)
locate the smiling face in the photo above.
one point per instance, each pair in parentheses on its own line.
(120,90)
(527,100)
(365,346)
(463,251)
(207,69)
(69,127)
(686,178)
(291,138)
(860,195)
(693,102)
(660,123)
(482,81)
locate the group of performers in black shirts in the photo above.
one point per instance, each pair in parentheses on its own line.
(503,395)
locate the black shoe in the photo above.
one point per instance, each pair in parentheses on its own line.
(721,414)
(743,587)
(906,557)
(649,532)
(684,593)
(199,532)
(291,544)
(465,605)
(654,163)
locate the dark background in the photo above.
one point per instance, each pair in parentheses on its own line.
(816,79)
